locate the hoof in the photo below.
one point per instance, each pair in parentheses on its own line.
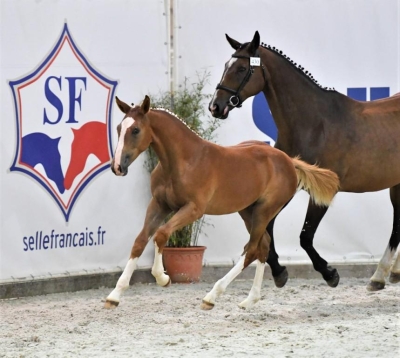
(111,304)
(168,283)
(206,306)
(334,278)
(375,286)
(281,279)
(394,277)
(247,304)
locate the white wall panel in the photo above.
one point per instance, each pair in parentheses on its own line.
(345,44)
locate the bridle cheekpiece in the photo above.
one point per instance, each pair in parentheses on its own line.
(235,100)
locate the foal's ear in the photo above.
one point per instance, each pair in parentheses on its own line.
(255,43)
(125,108)
(145,104)
(235,44)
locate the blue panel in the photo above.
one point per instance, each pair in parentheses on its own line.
(379,92)
(262,116)
(360,94)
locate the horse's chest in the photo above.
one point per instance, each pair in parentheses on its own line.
(174,195)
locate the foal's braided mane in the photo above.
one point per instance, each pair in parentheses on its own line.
(296,66)
(174,115)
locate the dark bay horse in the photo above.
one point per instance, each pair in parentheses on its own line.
(196,177)
(360,141)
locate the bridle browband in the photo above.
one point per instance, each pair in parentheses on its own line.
(235,100)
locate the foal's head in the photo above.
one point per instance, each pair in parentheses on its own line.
(134,135)
(243,77)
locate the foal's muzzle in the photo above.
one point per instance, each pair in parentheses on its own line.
(120,171)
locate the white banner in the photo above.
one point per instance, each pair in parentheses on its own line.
(62,63)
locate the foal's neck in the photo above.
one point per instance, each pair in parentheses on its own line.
(173,141)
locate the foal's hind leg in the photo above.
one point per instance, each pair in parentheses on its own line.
(255,292)
(221,285)
(314,216)
(377,281)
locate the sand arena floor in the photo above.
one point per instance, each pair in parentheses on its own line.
(306,318)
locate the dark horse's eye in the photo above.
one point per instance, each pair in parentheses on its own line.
(241,69)
(135,131)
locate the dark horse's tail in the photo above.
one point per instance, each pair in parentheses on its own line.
(321,184)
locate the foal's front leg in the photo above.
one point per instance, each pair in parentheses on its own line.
(184,216)
(154,217)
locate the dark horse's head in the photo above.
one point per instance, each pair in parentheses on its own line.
(244,76)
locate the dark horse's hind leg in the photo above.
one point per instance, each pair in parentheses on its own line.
(377,281)
(314,216)
(279,273)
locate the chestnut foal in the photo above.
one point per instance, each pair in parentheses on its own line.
(196,177)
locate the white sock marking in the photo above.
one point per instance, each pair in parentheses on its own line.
(255,292)
(384,266)
(123,282)
(158,268)
(221,285)
(396,265)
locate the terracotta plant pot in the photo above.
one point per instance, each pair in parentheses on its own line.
(184,264)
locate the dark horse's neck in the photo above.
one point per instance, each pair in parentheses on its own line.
(173,141)
(300,107)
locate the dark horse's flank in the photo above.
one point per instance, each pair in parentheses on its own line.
(360,141)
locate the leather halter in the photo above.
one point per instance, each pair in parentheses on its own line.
(235,100)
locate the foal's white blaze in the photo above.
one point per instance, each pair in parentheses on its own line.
(384,266)
(158,268)
(126,123)
(123,281)
(221,285)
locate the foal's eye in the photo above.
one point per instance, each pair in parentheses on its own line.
(135,131)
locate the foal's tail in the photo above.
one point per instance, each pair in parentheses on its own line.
(321,184)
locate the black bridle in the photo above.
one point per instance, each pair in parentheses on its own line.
(235,100)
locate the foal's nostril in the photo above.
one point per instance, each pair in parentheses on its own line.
(119,169)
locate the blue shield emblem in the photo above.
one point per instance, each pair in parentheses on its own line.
(63,115)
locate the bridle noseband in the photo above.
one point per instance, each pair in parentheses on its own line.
(235,100)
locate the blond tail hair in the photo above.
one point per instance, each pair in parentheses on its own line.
(321,184)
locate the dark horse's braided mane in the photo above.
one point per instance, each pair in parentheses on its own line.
(295,65)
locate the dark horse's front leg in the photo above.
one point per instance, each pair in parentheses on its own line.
(314,216)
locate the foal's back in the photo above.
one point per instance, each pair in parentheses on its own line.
(241,175)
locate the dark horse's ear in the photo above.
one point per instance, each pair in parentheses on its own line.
(235,44)
(124,107)
(255,43)
(145,104)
